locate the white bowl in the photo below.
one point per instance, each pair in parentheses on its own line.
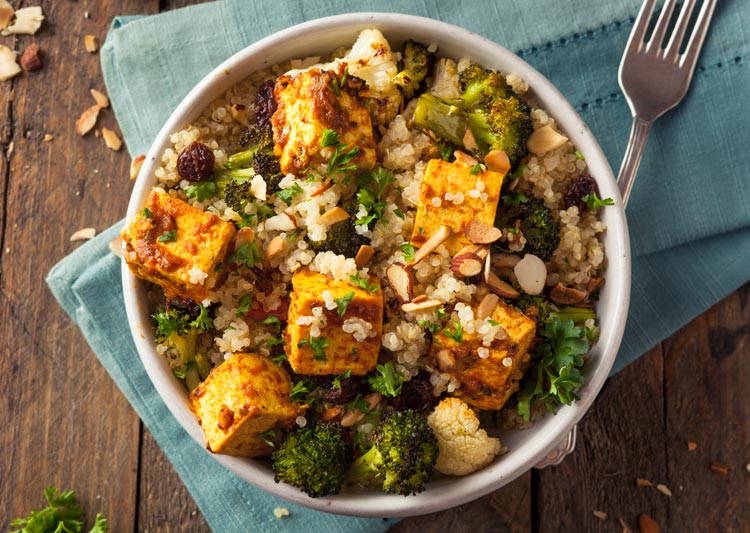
(526,448)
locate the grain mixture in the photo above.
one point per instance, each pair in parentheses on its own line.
(332,242)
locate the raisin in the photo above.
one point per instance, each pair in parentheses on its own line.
(416,394)
(191,307)
(580,188)
(265,103)
(196,162)
(348,391)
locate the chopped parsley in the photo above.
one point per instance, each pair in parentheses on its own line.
(359,404)
(169,236)
(273,321)
(387,380)
(170,321)
(429,326)
(337,379)
(446,150)
(476,169)
(300,391)
(274,341)
(290,192)
(202,191)
(318,346)
(343,303)
(203,321)
(442,313)
(247,255)
(514,199)
(269,437)
(408,250)
(179,372)
(593,202)
(456,333)
(372,186)
(280,359)
(246,301)
(341,159)
(362,283)
(147,212)
(492,322)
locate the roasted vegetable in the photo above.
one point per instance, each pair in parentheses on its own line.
(342,237)
(536,223)
(402,457)
(313,460)
(416,63)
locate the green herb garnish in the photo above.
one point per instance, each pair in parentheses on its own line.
(289,193)
(203,191)
(169,236)
(246,301)
(408,250)
(386,380)
(593,202)
(456,333)
(343,303)
(247,255)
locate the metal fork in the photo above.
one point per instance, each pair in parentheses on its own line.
(654,76)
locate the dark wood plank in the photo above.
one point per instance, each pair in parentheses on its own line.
(64,421)
(708,402)
(620,439)
(507,510)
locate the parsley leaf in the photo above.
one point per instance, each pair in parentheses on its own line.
(476,169)
(337,379)
(273,321)
(557,361)
(429,326)
(329,138)
(203,321)
(280,359)
(514,199)
(593,202)
(169,321)
(343,303)
(269,437)
(147,212)
(387,380)
(246,301)
(247,255)
(62,514)
(318,346)
(457,333)
(290,192)
(362,283)
(408,250)
(202,191)
(372,186)
(300,391)
(169,236)
(442,313)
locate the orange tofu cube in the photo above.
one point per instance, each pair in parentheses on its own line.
(434,210)
(177,246)
(244,397)
(335,350)
(487,383)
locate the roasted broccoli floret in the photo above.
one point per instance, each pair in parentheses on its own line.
(342,237)
(497,118)
(534,306)
(402,457)
(536,223)
(313,459)
(416,62)
(257,157)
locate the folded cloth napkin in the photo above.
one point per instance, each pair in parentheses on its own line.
(688,215)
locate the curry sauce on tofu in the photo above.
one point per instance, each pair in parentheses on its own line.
(365,252)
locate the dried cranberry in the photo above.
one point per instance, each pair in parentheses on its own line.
(581,187)
(346,393)
(265,103)
(188,305)
(416,394)
(196,162)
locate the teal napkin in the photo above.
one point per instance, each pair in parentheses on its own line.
(688,215)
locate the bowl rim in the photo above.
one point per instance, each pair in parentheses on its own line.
(552,429)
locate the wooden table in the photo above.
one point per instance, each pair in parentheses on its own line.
(65,423)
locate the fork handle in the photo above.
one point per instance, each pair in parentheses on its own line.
(633,154)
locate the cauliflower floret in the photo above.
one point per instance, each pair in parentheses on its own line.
(464,447)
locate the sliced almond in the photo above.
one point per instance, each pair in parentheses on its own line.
(475,249)
(8,65)
(480,233)
(401,280)
(663,489)
(640,482)
(274,250)
(100,98)
(467,265)
(6,14)
(505,260)
(28,21)
(83,234)
(333,216)
(135,166)
(332,413)
(544,140)
(352,417)
(280,222)
(87,121)
(601,515)
(500,287)
(531,273)
(487,306)
(439,237)
(562,295)
(117,247)
(420,298)
(413,307)
(464,158)
(239,113)
(445,360)
(323,188)
(364,254)
(595,284)
(91,43)
(245,235)
(470,143)
(111,139)
(497,161)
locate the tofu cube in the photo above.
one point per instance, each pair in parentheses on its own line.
(487,383)
(177,246)
(348,342)
(435,210)
(244,397)
(312,101)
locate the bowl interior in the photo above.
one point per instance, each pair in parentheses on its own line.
(526,448)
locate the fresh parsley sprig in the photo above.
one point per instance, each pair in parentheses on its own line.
(371,194)
(593,202)
(62,515)
(387,380)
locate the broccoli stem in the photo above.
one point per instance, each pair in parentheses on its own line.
(577,314)
(445,120)
(241,159)
(362,471)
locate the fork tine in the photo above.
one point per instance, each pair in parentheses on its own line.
(641,22)
(680,27)
(661,25)
(699,34)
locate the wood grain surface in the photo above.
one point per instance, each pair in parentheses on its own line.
(66,424)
